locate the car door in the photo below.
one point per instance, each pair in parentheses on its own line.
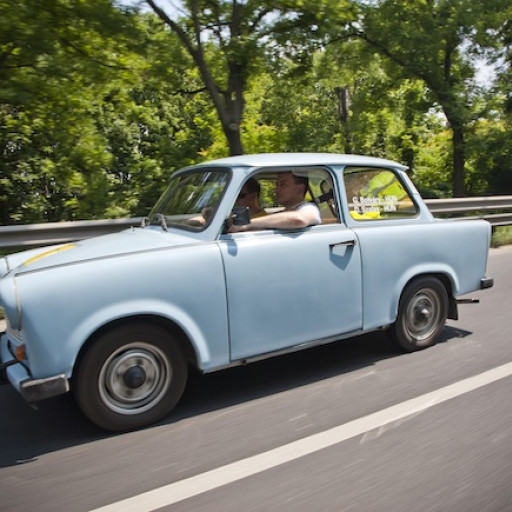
(288,288)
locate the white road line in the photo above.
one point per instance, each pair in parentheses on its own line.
(183,489)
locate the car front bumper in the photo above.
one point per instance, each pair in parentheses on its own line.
(31,389)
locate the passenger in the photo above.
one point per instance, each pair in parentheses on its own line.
(250,198)
(298,213)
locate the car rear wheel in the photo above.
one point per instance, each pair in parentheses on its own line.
(132,376)
(422,314)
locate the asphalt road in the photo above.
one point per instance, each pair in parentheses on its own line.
(450,453)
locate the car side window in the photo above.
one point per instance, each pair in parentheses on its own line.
(320,191)
(377,194)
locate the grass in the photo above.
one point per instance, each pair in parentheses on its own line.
(502,235)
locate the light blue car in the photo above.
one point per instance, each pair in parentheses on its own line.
(120,319)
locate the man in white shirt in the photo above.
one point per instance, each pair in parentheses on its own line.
(290,193)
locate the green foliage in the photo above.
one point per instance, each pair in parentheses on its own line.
(435,42)
(432,166)
(502,235)
(100,104)
(57,57)
(98,129)
(491,157)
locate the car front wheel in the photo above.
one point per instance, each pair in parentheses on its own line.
(132,376)
(422,314)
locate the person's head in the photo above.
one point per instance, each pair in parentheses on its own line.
(290,189)
(249,195)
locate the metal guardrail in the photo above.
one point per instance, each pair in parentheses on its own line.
(37,235)
(479,205)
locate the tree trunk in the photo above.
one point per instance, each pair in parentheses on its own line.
(344,104)
(233,137)
(228,103)
(459,157)
(459,173)
(231,110)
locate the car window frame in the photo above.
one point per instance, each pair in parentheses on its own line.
(369,213)
(190,171)
(336,219)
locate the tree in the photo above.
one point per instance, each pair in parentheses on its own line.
(227,41)
(383,117)
(92,117)
(55,57)
(235,32)
(435,41)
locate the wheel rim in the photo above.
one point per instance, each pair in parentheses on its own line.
(134,378)
(423,315)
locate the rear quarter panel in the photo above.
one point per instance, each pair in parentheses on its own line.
(392,255)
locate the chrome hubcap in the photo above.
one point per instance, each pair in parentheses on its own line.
(423,314)
(134,378)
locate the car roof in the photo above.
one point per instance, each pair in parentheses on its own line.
(301,159)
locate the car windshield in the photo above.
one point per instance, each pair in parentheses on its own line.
(191,199)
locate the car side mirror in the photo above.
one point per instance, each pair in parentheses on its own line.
(240,216)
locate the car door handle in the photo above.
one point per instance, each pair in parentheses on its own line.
(346,243)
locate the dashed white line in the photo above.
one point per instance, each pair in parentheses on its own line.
(204,482)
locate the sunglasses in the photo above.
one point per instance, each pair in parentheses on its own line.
(243,194)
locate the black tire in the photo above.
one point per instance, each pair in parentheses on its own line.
(422,314)
(130,377)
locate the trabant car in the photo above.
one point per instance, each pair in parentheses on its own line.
(121,319)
